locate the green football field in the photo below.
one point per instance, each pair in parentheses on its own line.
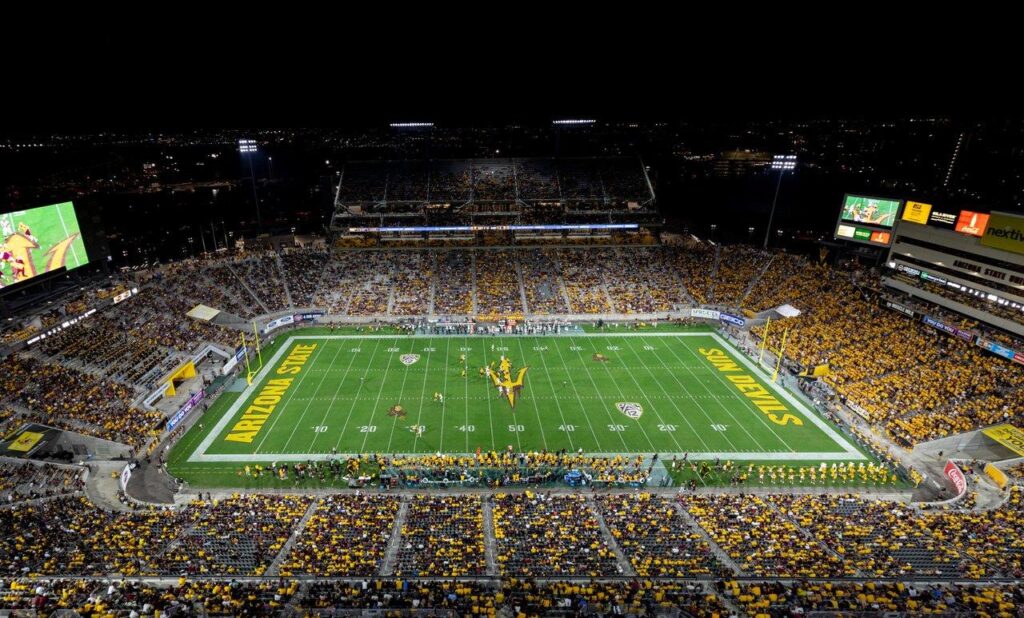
(323,395)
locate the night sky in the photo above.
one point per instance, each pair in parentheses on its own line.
(179,71)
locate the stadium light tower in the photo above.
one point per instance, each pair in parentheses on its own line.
(782,163)
(247,148)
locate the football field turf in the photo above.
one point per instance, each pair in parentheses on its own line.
(620,392)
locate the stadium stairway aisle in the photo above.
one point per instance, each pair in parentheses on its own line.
(625,567)
(275,566)
(714,273)
(387,566)
(720,554)
(804,531)
(755,279)
(522,288)
(490,543)
(284,279)
(245,285)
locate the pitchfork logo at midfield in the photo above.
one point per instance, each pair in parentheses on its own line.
(408,359)
(503,380)
(630,409)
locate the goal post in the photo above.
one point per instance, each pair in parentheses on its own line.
(774,367)
(252,369)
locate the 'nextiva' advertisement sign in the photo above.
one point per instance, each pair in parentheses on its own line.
(1005,231)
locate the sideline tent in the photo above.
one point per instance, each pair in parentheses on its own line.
(787,311)
(203,313)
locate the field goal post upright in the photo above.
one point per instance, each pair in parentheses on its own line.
(249,370)
(774,368)
(782,348)
(764,341)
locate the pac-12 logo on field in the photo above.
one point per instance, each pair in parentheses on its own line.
(631,409)
(409,359)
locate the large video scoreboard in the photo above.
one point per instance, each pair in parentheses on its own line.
(868,220)
(40,240)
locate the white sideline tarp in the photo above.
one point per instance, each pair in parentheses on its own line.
(787,311)
(203,313)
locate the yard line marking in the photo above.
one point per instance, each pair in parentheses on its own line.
(655,409)
(490,415)
(694,397)
(579,400)
(444,389)
(352,407)
(536,409)
(597,390)
(612,378)
(282,406)
(747,405)
(423,390)
(465,364)
(558,404)
(405,376)
(306,409)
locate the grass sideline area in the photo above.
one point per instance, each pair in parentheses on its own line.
(332,393)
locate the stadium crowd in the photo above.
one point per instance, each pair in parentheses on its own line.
(650,530)
(302,269)
(346,535)
(542,535)
(914,381)
(63,397)
(442,536)
(20,481)
(777,599)
(262,274)
(68,535)
(817,537)
(514,597)
(739,267)
(759,539)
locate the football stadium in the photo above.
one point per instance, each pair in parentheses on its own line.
(507,386)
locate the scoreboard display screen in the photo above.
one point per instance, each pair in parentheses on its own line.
(868,220)
(40,240)
(873,211)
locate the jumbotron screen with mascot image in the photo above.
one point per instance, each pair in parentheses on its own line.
(870,210)
(40,240)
